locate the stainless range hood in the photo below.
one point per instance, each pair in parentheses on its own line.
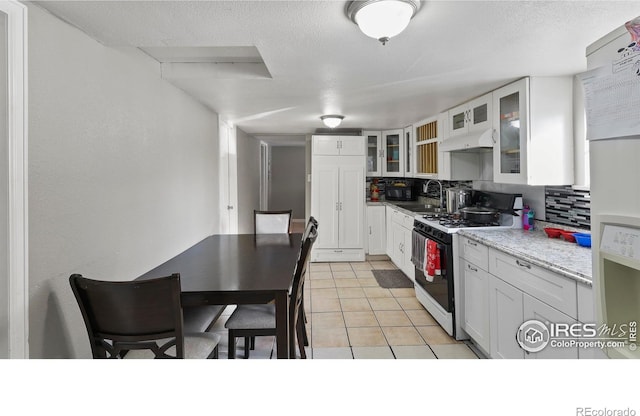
(478,141)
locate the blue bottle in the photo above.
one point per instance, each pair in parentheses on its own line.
(531,219)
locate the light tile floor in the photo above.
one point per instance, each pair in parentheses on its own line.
(351,317)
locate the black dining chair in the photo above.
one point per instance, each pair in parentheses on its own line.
(249,321)
(138,319)
(312,222)
(272,222)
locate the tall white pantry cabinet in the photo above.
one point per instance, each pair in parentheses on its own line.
(337,197)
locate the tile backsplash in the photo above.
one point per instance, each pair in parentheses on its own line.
(568,206)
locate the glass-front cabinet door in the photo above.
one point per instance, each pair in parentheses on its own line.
(510,120)
(480,113)
(374,152)
(393,153)
(459,120)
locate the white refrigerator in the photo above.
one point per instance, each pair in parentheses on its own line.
(611,89)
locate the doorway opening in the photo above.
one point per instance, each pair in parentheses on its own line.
(283,179)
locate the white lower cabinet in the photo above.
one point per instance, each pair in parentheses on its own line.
(506,316)
(535,309)
(586,315)
(407,267)
(476,303)
(397,256)
(389,221)
(376,230)
(499,296)
(399,229)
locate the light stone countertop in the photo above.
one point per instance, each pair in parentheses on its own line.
(554,254)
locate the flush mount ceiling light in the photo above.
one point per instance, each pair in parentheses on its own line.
(332,121)
(382,19)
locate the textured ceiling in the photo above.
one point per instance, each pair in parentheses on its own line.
(320,63)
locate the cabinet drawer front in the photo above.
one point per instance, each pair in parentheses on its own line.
(551,288)
(338,254)
(407,221)
(474,252)
(397,217)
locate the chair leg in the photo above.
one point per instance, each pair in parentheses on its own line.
(253,343)
(232,345)
(304,334)
(300,336)
(247,346)
(302,318)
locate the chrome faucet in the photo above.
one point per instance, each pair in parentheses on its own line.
(426,188)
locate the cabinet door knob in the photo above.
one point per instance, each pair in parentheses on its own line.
(523,264)
(472,268)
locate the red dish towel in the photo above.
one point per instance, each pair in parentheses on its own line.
(431,260)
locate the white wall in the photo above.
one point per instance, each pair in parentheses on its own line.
(248,180)
(122,168)
(4,193)
(288,179)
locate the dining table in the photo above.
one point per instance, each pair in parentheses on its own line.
(234,269)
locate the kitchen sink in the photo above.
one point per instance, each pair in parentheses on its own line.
(422,208)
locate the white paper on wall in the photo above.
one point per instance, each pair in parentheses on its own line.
(612,98)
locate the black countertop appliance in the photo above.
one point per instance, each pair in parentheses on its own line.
(401,190)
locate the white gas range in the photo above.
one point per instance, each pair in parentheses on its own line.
(438,293)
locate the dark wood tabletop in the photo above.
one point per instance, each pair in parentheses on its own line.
(238,269)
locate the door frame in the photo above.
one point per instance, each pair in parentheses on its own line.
(18,243)
(265,171)
(228,178)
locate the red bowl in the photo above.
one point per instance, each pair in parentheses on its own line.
(568,236)
(553,232)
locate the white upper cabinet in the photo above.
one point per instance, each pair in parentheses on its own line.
(338,145)
(393,153)
(373,143)
(428,134)
(389,152)
(475,115)
(533,119)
